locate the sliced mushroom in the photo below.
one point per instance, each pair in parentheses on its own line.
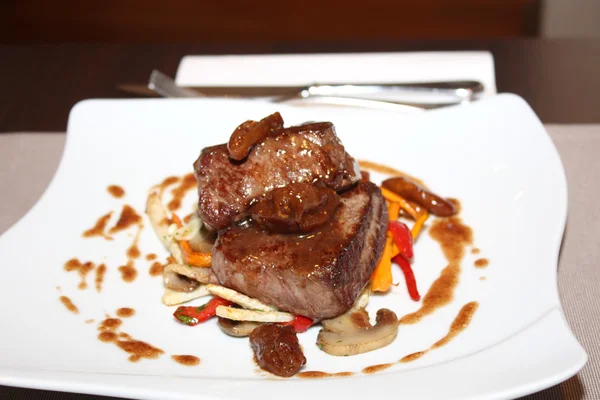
(199,274)
(182,278)
(239,314)
(171,297)
(352,333)
(239,298)
(237,328)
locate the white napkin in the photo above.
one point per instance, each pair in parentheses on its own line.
(306,69)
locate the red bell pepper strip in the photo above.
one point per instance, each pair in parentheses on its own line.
(409,277)
(402,237)
(194,315)
(300,323)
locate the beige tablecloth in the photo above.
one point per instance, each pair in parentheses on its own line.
(28,162)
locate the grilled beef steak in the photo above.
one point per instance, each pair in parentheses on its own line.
(306,153)
(317,274)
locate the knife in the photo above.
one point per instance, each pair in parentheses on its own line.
(454,91)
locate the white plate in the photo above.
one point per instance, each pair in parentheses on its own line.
(495,156)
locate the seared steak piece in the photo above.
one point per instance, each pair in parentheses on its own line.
(277,349)
(317,274)
(306,153)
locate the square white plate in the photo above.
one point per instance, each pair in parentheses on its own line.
(494,156)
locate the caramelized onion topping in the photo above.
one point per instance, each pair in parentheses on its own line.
(249,133)
(296,208)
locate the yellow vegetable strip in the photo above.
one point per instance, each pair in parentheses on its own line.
(393,197)
(419,224)
(395,250)
(393,210)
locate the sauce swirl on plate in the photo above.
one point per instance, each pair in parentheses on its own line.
(460,323)
(127,218)
(125,312)
(100,272)
(187,360)
(99,228)
(83,269)
(69,304)
(116,191)
(453,236)
(188,182)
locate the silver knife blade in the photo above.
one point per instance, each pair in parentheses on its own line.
(466,90)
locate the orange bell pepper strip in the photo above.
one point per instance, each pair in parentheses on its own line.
(381,280)
(190,256)
(419,224)
(405,205)
(393,213)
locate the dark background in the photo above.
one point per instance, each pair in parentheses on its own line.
(263,22)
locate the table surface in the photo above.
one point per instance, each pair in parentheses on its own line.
(40,83)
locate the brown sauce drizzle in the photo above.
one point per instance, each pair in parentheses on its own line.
(109,333)
(481,263)
(453,236)
(107,336)
(69,304)
(89,321)
(127,218)
(116,191)
(384,169)
(100,272)
(128,272)
(460,323)
(83,269)
(125,312)
(456,203)
(133,251)
(475,250)
(99,228)
(413,356)
(376,368)
(482,278)
(171,180)
(188,218)
(187,360)
(319,374)
(156,269)
(188,182)
(139,349)
(110,324)
(150,257)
